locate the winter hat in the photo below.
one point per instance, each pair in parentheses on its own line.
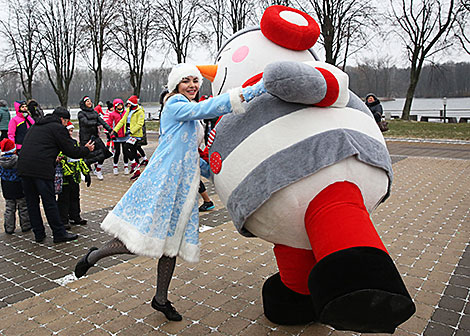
(84,99)
(7,146)
(109,104)
(181,71)
(116,102)
(99,109)
(133,100)
(69,126)
(3,103)
(61,112)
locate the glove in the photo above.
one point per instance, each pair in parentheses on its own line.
(88,180)
(250,92)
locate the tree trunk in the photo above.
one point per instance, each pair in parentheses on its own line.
(63,98)
(415,71)
(409,98)
(98,81)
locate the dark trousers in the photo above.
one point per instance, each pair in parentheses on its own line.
(68,202)
(131,151)
(33,188)
(141,151)
(117,152)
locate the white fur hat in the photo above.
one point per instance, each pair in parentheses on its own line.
(180,71)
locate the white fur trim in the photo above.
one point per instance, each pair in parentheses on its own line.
(175,245)
(140,244)
(236,101)
(180,71)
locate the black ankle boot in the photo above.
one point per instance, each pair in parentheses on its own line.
(167,309)
(83,266)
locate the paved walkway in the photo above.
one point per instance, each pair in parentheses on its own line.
(424,224)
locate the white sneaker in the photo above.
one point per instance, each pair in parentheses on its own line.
(126,171)
(99,175)
(115,171)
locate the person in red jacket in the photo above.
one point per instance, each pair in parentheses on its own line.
(114,117)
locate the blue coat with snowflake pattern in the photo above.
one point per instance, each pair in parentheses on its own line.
(159,214)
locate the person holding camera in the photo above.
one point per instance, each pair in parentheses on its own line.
(89,120)
(36,167)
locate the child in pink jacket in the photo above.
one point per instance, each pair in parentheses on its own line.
(114,117)
(19,124)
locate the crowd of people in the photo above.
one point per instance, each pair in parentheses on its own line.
(158,215)
(42,161)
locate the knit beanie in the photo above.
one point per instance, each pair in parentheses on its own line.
(181,71)
(133,100)
(61,112)
(7,146)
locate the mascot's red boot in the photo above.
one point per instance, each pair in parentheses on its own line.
(352,282)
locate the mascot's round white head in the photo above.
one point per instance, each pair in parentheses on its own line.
(284,34)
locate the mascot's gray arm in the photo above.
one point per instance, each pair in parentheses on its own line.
(295,82)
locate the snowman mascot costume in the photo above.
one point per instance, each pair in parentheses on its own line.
(303,168)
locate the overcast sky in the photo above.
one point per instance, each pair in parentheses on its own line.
(377,49)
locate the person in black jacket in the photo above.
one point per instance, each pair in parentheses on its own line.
(36,167)
(373,103)
(35,110)
(88,121)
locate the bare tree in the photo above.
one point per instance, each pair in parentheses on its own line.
(178,25)
(425,28)
(21,33)
(133,35)
(241,13)
(215,13)
(463,35)
(377,74)
(346,26)
(59,36)
(98,17)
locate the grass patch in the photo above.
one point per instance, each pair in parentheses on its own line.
(427,130)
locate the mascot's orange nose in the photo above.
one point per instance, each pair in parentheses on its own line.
(208,71)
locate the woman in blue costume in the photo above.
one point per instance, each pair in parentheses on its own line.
(158,216)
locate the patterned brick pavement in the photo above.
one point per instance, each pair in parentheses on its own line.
(424,224)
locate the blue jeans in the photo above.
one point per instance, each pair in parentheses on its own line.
(34,187)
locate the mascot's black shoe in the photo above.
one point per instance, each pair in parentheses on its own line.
(360,289)
(284,306)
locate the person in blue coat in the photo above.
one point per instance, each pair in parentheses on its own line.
(158,216)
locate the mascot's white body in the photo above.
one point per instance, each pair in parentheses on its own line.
(288,171)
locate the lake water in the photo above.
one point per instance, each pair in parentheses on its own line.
(455,107)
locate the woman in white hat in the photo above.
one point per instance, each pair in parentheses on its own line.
(158,216)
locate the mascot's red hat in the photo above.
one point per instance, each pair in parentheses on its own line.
(303,27)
